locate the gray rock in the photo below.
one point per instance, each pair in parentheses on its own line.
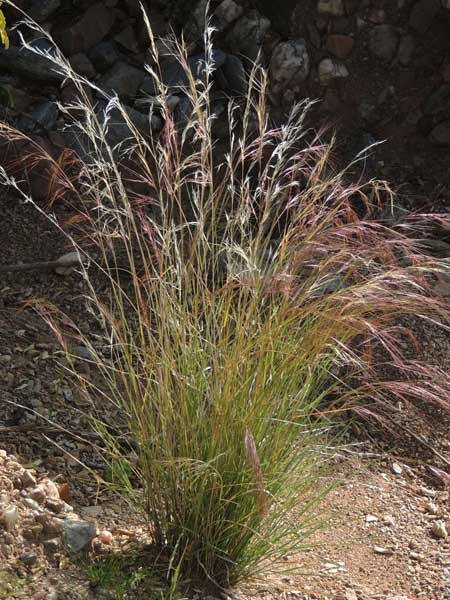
(32,504)
(95,24)
(78,535)
(81,64)
(40,10)
(280,14)
(438,101)
(248,33)
(127,39)
(123,80)
(29,559)
(20,61)
(183,113)
(43,44)
(46,115)
(383,41)
(28,479)
(440,135)
(406,49)
(118,130)
(175,77)
(234,74)
(289,65)
(422,14)
(330,69)
(104,56)
(227,12)
(52,545)
(51,525)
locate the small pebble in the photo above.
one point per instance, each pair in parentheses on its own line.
(9,517)
(105,536)
(439,530)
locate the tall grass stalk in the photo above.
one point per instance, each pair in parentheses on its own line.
(247,301)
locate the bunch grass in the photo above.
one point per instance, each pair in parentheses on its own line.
(247,303)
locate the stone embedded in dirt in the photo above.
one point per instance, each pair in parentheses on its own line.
(9,517)
(52,525)
(371,519)
(44,490)
(127,39)
(68,261)
(32,504)
(427,492)
(104,56)
(91,511)
(52,545)
(122,79)
(45,115)
(94,25)
(340,46)
(397,469)
(335,8)
(289,65)
(440,135)
(175,77)
(406,49)
(439,530)
(29,558)
(383,41)
(383,550)
(227,12)
(81,64)
(105,536)
(423,14)
(33,532)
(235,75)
(78,534)
(432,508)
(28,479)
(56,505)
(248,33)
(40,10)
(330,69)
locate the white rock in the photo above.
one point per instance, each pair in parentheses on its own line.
(397,469)
(289,65)
(432,508)
(330,69)
(334,8)
(371,519)
(389,520)
(427,492)
(9,517)
(68,262)
(439,530)
(382,550)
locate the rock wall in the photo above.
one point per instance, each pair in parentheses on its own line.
(381,69)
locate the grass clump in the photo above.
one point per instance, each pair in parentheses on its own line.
(246,302)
